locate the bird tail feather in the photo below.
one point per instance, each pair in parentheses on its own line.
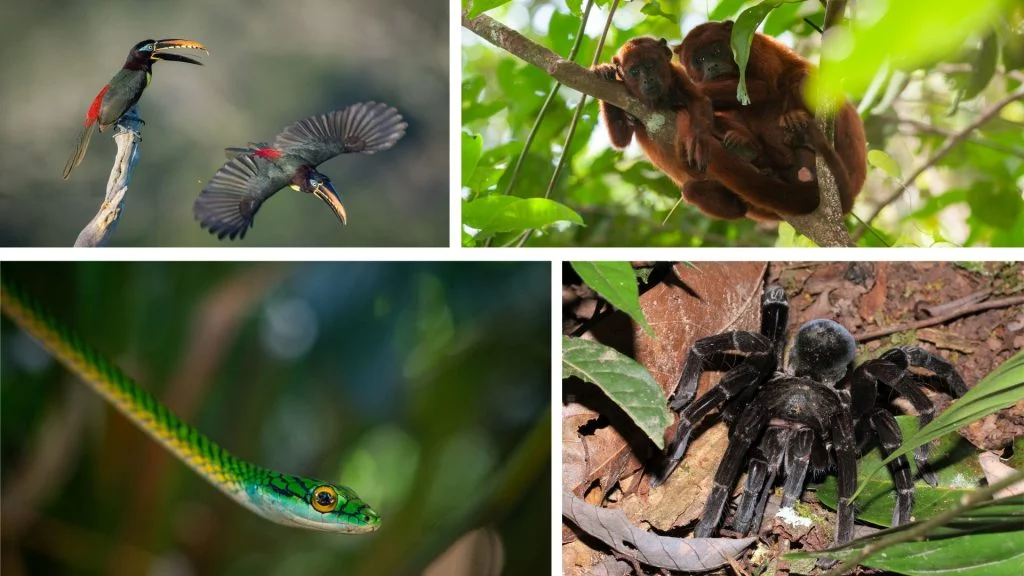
(79,153)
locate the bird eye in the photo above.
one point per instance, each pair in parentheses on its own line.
(324,499)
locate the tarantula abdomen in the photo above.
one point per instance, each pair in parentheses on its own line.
(824,350)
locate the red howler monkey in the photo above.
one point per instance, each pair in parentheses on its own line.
(732,186)
(777,114)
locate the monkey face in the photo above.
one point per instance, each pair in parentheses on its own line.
(646,76)
(713,61)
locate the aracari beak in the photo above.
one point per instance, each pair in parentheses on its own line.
(325,191)
(170,43)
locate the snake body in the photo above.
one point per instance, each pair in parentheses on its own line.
(282,498)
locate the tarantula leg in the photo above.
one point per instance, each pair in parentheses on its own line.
(891,369)
(937,365)
(757,480)
(775,318)
(798,458)
(760,478)
(906,388)
(735,380)
(747,429)
(846,470)
(714,353)
(890,437)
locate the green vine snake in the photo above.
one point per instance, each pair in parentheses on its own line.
(288,500)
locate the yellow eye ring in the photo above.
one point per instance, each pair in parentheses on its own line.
(324,499)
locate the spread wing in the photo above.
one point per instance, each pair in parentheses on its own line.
(230,200)
(367,127)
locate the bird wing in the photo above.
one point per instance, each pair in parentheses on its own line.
(230,200)
(367,127)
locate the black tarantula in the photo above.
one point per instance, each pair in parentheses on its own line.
(797,410)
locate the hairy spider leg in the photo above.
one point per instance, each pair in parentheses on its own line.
(921,358)
(846,473)
(775,318)
(798,459)
(890,437)
(748,428)
(892,370)
(764,467)
(750,373)
(715,353)
(795,445)
(776,401)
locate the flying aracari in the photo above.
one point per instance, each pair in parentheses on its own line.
(229,202)
(126,87)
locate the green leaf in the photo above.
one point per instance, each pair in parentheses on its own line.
(725,9)
(983,67)
(984,541)
(625,381)
(742,37)
(653,8)
(562,31)
(1003,387)
(954,462)
(472,149)
(880,159)
(997,204)
(500,213)
(481,6)
(616,283)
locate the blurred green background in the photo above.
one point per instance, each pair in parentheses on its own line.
(423,386)
(270,64)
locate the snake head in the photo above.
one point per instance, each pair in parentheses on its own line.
(312,504)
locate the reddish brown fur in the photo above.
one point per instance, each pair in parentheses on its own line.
(777,114)
(644,65)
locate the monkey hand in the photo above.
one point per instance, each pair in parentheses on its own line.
(795,120)
(736,140)
(697,150)
(607,71)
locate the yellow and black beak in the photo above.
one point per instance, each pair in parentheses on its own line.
(171,43)
(324,190)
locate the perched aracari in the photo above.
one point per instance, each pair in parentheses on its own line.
(125,89)
(229,202)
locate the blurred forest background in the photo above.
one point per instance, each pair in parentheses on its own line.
(948,124)
(423,386)
(270,64)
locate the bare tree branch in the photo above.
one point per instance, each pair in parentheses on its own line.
(823,232)
(127,134)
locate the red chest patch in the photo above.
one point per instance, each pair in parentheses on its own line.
(268,153)
(94,110)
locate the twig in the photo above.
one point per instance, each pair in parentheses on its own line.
(574,76)
(127,134)
(923,127)
(1001,303)
(941,153)
(579,106)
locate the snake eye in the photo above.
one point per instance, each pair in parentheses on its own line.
(324,499)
